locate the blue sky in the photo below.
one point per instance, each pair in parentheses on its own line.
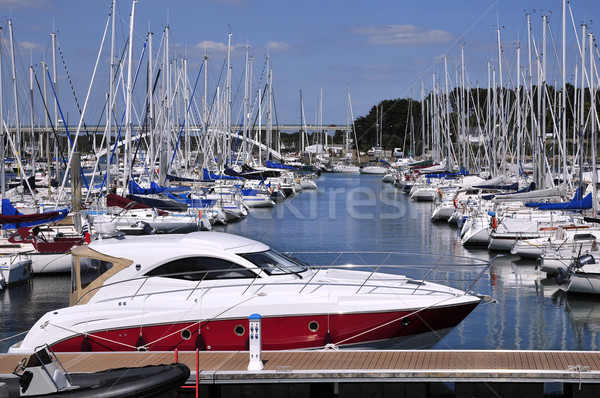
(376,48)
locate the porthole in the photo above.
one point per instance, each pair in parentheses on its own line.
(405,321)
(239,330)
(186,334)
(313,326)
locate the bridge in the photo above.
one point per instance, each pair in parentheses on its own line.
(99,130)
(279,127)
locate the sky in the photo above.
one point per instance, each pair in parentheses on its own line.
(328,49)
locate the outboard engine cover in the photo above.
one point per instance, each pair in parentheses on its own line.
(147,229)
(583,260)
(561,276)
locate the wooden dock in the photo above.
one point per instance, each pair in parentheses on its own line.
(571,369)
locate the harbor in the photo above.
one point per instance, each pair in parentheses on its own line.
(505,342)
(199,239)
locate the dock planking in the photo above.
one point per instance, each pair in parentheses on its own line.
(349,365)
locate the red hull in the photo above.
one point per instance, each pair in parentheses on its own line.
(278,333)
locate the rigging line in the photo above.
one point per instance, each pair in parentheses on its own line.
(120,124)
(60,108)
(50,119)
(72,89)
(135,135)
(13,336)
(202,320)
(68,135)
(86,334)
(183,123)
(416,313)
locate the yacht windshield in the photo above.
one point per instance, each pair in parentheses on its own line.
(274,263)
(91,269)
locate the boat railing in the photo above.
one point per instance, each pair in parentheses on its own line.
(372,263)
(18,256)
(44,357)
(391,261)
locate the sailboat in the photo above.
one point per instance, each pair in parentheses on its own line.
(379,166)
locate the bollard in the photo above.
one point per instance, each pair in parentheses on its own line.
(255,342)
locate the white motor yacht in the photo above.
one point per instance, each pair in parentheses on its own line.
(196,291)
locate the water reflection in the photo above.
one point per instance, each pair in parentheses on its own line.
(584,315)
(360,214)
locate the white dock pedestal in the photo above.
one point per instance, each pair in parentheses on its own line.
(255,343)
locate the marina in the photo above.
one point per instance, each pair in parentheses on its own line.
(189,244)
(530,338)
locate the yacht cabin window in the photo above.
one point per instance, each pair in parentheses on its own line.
(201,268)
(274,263)
(91,269)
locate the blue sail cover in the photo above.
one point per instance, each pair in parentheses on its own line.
(191,202)
(577,197)
(274,165)
(15,220)
(135,189)
(212,176)
(575,204)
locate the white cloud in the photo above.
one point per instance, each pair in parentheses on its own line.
(277,47)
(29,46)
(18,4)
(216,48)
(403,35)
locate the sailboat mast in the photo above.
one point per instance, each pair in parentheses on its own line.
(228,99)
(566,176)
(31,119)
(259,140)
(593,125)
(501,104)
(46,130)
(269,132)
(16,97)
(205,111)
(542,116)
(581,104)
(150,72)
(518,104)
(128,150)
(463,101)
(111,89)
(423,143)
(247,91)
(302,145)
(2,146)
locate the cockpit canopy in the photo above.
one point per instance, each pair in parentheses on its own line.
(91,269)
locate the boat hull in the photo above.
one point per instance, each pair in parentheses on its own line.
(584,283)
(365,330)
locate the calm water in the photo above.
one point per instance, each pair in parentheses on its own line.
(359,213)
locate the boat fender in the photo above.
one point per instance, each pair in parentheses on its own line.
(86,345)
(200,343)
(328,339)
(140,344)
